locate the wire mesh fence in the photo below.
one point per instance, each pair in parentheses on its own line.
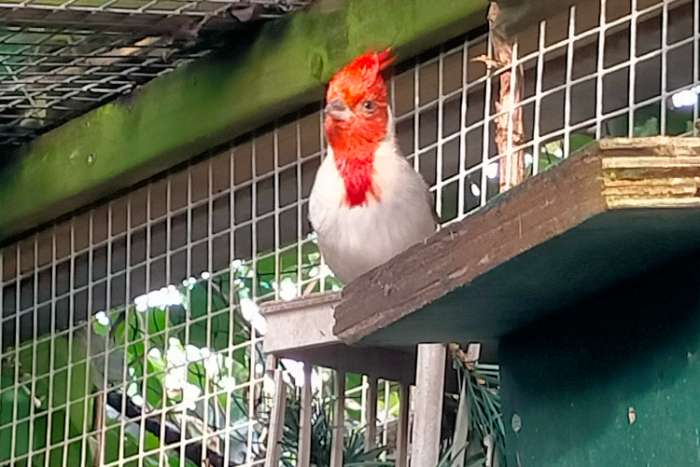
(61,58)
(130,332)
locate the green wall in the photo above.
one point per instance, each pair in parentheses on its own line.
(572,379)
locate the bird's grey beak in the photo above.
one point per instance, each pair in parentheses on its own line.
(337,110)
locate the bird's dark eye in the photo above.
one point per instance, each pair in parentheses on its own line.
(369,106)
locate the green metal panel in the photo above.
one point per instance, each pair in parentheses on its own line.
(190,110)
(614,381)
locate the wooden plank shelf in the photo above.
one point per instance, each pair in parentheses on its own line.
(302,330)
(607,214)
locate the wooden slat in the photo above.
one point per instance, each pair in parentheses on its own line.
(402,432)
(337,443)
(371,413)
(272,456)
(304,450)
(430,382)
(482,277)
(390,364)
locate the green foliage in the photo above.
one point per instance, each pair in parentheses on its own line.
(198,343)
(480,387)
(552,152)
(354,453)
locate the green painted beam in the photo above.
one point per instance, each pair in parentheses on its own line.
(211,101)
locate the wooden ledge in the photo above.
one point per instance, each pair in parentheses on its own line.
(302,330)
(604,215)
(303,323)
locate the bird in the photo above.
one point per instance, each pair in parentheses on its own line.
(367,204)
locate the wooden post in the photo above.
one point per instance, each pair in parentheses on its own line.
(371,411)
(98,410)
(272,457)
(402,431)
(304,452)
(430,383)
(337,445)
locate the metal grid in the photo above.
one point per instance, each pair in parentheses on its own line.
(27,10)
(230,231)
(60,58)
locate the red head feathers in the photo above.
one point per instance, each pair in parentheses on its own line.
(356,121)
(360,79)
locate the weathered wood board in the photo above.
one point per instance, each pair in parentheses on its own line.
(606,214)
(302,330)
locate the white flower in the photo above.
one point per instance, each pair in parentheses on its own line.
(175,355)
(190,394)
(174,380)
(211,366)
(167,296)
(141,303)
(154,353)
(227,383)
(102,318)
(259,368)
(259,324)
(248,309)
(206,275)
(192,353)
(287,289)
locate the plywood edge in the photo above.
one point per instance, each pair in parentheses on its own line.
(658,172)
(317,299)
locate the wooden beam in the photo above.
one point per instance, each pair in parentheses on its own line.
(337,442)
(402,429)
(272,457)
(209,102)
(430,384)
(371,412)
(602,216)
(304,443)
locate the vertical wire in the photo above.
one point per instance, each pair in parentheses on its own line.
(569,71)
(600,70)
